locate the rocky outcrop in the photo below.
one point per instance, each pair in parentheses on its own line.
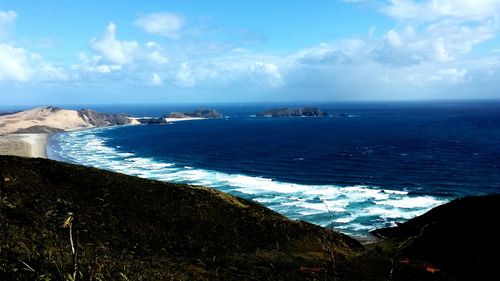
(293,112)
(99,119)
(199,113)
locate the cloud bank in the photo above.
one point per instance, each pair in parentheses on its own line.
(429,50)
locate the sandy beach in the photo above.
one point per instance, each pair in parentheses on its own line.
(26,145)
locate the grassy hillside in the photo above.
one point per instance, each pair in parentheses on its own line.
(65,222)
(131,228)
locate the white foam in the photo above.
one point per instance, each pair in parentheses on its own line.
(411,202)
(353,209)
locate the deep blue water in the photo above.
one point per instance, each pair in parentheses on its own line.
(383,163)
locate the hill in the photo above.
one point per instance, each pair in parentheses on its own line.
(57,219)
(53,119)
(127,227)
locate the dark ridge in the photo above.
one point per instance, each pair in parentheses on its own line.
(38,129)
(53,108)
(8,113)
(459,236)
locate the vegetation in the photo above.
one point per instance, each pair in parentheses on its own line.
(67,222)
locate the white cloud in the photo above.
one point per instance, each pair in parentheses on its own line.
(17,64)
(164,24)
(94,65)
(154,53)
(113,55)
(156,80)
(322,54)
(442,41)
(113,51)
(267,74)
(184,76)
(7,17)
(451,75)
(394,39)
(190,75)
(244,69)
(430,10)
(14,63)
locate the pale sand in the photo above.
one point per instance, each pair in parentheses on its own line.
(37,142)
(61,119)
(26,145)
(13,145)
(183,119)
(168,120)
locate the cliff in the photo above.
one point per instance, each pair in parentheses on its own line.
(99,119)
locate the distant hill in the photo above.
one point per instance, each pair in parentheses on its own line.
(53,119)
(199,113)
(293,112)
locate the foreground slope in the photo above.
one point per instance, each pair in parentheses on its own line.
(458,239)
(127,228)
(131,228)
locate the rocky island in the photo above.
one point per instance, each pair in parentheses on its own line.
(293,112)
(176,116)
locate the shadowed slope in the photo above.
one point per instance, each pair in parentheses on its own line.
(458,238)
(148,229)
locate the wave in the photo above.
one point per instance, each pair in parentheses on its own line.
(354,210)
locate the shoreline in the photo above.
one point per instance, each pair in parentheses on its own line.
(35,144)
(24,145)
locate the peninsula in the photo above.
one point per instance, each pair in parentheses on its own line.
(25,133)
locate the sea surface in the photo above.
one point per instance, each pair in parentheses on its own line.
(379,164)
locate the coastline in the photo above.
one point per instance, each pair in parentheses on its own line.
(34,143)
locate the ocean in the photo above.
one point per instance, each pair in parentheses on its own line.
(379,164)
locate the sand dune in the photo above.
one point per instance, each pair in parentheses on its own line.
(61,119)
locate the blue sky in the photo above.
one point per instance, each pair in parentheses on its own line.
(93,52)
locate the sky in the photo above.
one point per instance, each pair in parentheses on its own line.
(226,51)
